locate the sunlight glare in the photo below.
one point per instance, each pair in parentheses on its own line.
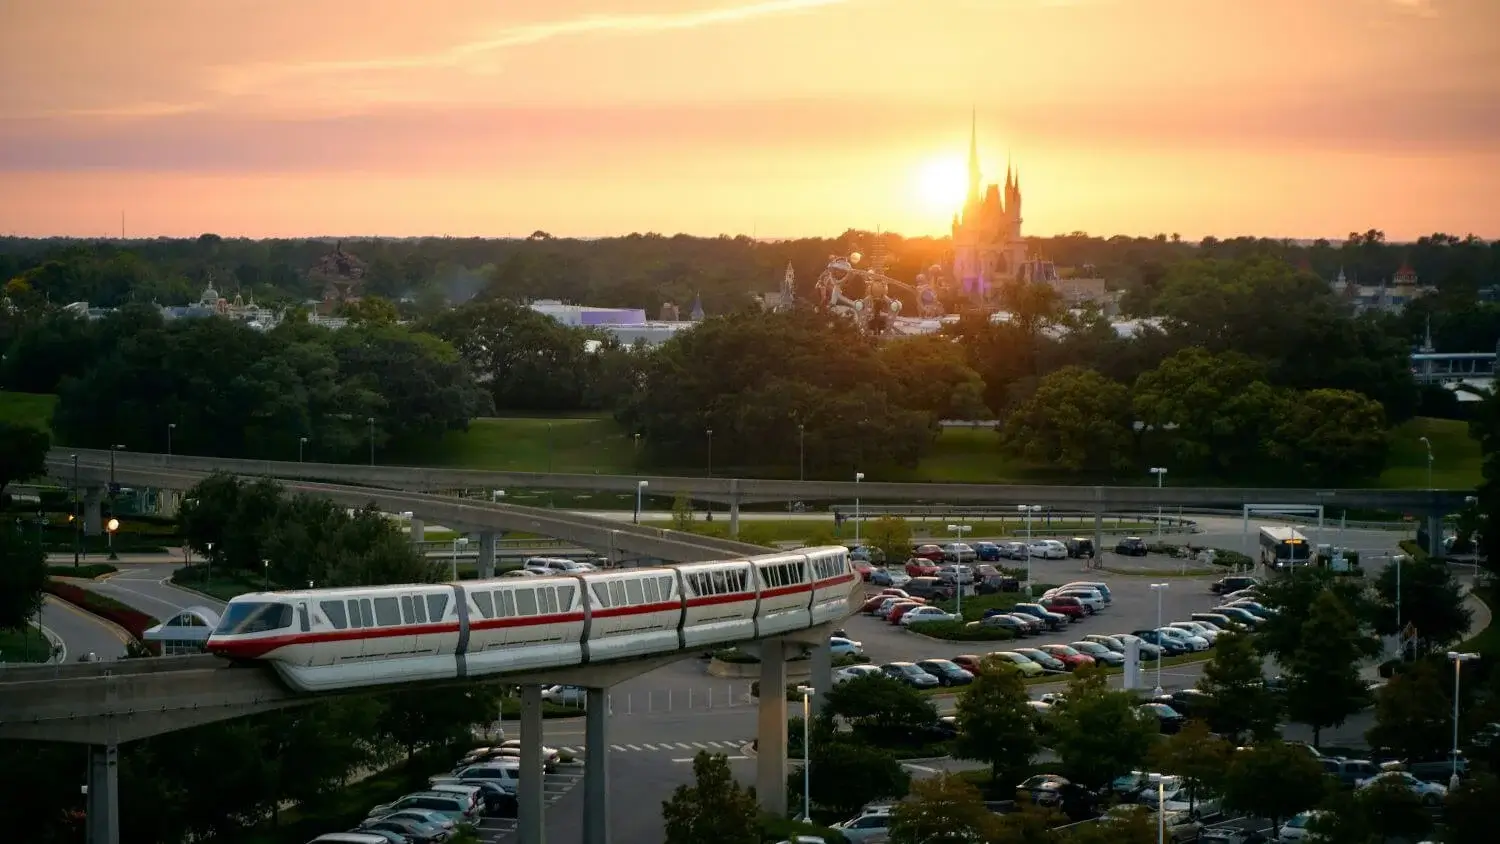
(942,183)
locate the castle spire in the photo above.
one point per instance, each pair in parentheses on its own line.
(974,176)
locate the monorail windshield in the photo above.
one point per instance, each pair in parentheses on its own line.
(254,617)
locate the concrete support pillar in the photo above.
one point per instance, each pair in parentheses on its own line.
(103,820)
(1098,539)
(596,767)
(93,512)
(418,531)
(770,761)
(734,508)
(486,554)
(532,803)
(1435,534)
(822,675)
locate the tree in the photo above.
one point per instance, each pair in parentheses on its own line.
(1394,811)
(1324,686)
(1332,436)
(23,453)
(438,716)
(1431,602)
(1413,713)
(878,705)
(941,809)
(847,775)
(1273,780)
(994,720)
(1207,413)
(682,512)
(1469,810)
(714,808)
(1196,755)
(1077,419)
(23,573)
(891,535)
(1239,703)
(1292,596)
(1099,735)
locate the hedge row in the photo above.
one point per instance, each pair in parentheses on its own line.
(87,570)
(134,621)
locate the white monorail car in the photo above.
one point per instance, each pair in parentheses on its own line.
(327,639)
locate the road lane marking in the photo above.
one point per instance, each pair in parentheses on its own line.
(632,747)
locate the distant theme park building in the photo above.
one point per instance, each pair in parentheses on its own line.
(987,245)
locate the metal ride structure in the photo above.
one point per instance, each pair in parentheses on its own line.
(842,270)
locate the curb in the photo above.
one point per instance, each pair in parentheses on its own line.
(54,642)
(115,630)
(175,585)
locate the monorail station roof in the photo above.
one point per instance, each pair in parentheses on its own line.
(185,632)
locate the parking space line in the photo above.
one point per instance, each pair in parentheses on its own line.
(649,746)
(632,747)
(684,745)
(617,747)
(700,744)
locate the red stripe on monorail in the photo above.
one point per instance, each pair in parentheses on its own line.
(642,609)
(731,598)
(525,620)
(786,590)
(833,581)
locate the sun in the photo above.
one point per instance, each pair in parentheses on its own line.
(941,184)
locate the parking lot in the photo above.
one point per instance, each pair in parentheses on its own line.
(554,786)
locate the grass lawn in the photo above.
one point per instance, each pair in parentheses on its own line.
(24,645)
(1487,641)
(1455,456)
(583,444)
(33,409)
(765,531)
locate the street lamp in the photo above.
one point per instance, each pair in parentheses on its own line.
(807,693)
(801,452)
(858,476)
(1428,443)
(265,570)
(496,495)
(1159,588)
(1160,781)
(710,432)
(112,450)
(1028,509)
(458,542)
(640,488)
(301,444)
(370,420)
(958,577)
(111,526)
(1160,472)
(171,426)
(77,515)
(1458,660)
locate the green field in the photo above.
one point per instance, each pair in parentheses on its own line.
(936,528)
(596,445)
(24,645)
(33,409)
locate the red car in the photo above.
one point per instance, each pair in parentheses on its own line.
(902,609)
(873,604)
(929,552)
(891,591)
(864,569)
(969,662)
(1070,657)
(921,567)
(1070,607)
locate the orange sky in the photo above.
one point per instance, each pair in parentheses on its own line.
(1295,118)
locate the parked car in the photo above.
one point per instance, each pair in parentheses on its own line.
(1180,827)
(872,603)
(1080,547)
(1430,793)
(1219,620)
(1100,653)
(1296,829)
(988,552)
(451,806)
(1232,583)
(929,587)
(1053,620)
(1048,549)
(1004,621)
(900,610)
(969,662)
(959,552)
(1042,658)
(910,674)
(1108,641)
(1349,772)
(415,832)
(960,575)
(927,615)
(1232,835)
(1091,598)
(1027,666)
(929,552)
(1253,607)
(1014,550)
(921,567)
(425,816)
(565,695)
(1066,605)
(1191,641)
(1240,614)
(1147,649)
(1053,791)
(1169,646)
(1186,701)
(947,672)
(850,672)
(1168,720)
(1097,586)
(1131,546)
(1072,658)
(889,577)
(1198,628)
(865,569)
(867,826)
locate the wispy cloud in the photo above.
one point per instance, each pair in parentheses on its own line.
(479,52)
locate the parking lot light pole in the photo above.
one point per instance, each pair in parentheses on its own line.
(1028,509)
(807,693)
(1458,660)
(858,476)
(1160,472)
(958,574)
(301,443)
(458,542)
(640,488)
(1159,588)
(1160,781)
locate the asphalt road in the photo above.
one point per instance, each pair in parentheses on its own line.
(148,589)
(81,632)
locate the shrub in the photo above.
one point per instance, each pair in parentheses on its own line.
(773,828)
(89,570)
(134,621)
(959,631)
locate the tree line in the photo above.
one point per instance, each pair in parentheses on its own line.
(218,780)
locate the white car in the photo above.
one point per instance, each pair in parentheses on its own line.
(552,565)
(923,615)
(548,754)
(1196,628)
(1090,598)
(839,646)
(1188,640)
(565,695)
(1048,549)
(1430,793)
(847,673)
(871,824)
(1296,829)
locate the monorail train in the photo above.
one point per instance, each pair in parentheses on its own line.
(328,639)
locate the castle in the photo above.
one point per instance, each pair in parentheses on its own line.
(987,245)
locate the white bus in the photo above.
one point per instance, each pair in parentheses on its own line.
(1281,548)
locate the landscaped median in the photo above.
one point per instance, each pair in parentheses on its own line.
(135,622)
(85,571)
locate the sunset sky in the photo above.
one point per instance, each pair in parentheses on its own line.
(1286,118)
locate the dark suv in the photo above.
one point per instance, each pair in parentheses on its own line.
(1131,546)
(1225,585)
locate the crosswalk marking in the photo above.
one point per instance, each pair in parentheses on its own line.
(706,744)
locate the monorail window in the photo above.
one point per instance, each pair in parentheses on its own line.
(436,606)
(406,616)
(565,596)
(485,602)
(334,612)
(617,594)
(651,591)
(366,611)
(526,602)
(601,594)
(356,618)
(505,604)
(255,618)
(387,612)
(418,610)
(634,593)
(738,581)
(547,600)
